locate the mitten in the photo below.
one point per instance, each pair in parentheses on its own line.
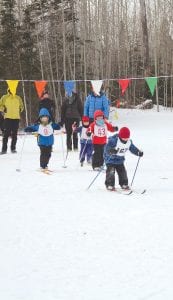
(113,151)
(116,128)
(140,153)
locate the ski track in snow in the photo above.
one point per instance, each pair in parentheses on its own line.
(59,241)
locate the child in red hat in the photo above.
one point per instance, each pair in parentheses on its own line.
(86,147)
(114,156)
(99,130)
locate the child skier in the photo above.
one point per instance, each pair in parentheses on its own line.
(86,148)
(45,137)
(114,156)
(99,128)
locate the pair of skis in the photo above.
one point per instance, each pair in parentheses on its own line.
(129,191)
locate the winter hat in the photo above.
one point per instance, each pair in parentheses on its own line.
(85,119)
(98,113)
(44,113)
(124,133)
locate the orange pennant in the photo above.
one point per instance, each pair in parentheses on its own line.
(124,83)
(40,86)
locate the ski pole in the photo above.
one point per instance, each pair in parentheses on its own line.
(99,172)
(21,155)
(135,170)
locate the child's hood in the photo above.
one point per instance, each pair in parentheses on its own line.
(44,112)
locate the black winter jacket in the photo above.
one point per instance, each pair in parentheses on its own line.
(72,108)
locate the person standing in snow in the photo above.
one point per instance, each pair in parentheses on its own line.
(46,102)
(95,102)
(11,106)
(99,130)
(71,112)
(45,137)
(85,141)
(114,156)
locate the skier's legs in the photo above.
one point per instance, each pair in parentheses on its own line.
(122,175)
(89,151)
(110,176)
(82,152)
(97,158)
(45,154)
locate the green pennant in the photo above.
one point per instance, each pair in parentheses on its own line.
(152,82)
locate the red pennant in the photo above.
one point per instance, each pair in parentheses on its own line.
(40,86)
(124,83)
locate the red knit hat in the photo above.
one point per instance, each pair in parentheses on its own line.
(85,119)
(98,113)
(124,133)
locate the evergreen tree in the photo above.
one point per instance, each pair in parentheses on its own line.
(8,39)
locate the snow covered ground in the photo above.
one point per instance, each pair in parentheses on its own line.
(61,242)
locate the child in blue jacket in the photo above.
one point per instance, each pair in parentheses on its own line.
(114,156)
(45,137)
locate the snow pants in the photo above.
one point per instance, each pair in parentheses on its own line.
(45,155)
(110,175)
(86,151)
(97,158)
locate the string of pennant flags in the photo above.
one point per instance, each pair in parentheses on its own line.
(69,85)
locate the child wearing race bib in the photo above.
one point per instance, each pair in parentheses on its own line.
(99,130)
(86,147)
(114,156)
(45,137)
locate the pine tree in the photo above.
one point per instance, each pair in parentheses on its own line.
(8,39)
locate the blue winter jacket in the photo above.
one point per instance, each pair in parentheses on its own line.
(45,133)
(119,158)
(93,103)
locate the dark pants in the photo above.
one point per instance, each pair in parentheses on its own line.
(97,158)
(10,128)
(110,175)
(71,136)
(86,151)
(45,155)
(1,122)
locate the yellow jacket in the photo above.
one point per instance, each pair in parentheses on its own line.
(12,106)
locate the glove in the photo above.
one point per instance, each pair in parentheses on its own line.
(116,128)
(88,133)
(140,153)
(113,151)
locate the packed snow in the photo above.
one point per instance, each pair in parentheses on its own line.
(59,241)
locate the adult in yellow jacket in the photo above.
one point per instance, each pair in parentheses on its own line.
(11,106)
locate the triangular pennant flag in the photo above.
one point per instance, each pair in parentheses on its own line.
(152,82)
(69,87)
(12,85)
(96,85)
(40,86)
(124,83)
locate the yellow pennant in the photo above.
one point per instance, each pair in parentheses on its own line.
(12,85)
(115,115)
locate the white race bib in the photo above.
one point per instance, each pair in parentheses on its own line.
(45,130)
(83,134)
(100,131)
(122,148)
